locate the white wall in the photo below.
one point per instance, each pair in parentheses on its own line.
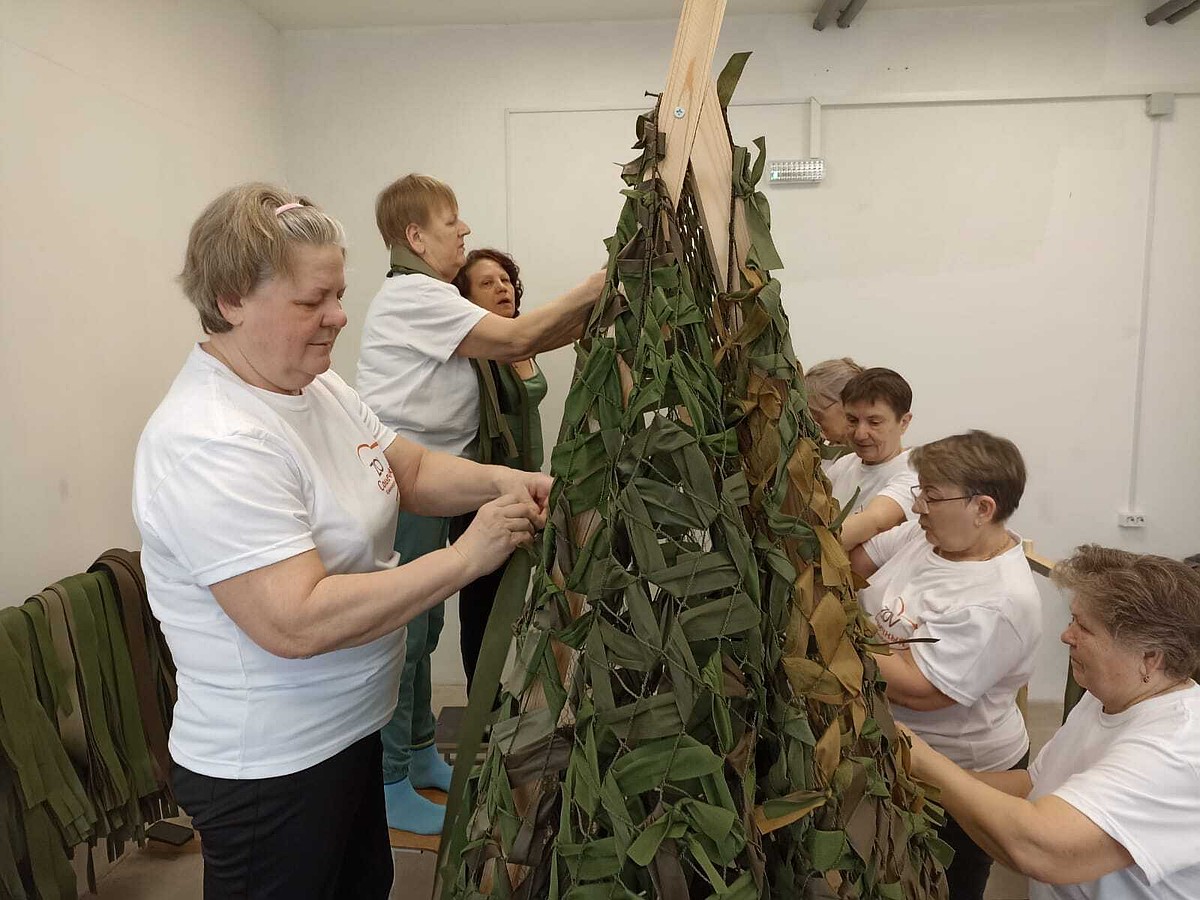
(118,122)
(366,105)
(990,248)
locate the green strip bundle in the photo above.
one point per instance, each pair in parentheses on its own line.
(74,762)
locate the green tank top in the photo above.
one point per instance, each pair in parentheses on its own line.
(524,420)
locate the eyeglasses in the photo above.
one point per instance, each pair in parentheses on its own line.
(919,498)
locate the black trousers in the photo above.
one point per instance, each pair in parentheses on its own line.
(968,874)
(475,603)
(318,834)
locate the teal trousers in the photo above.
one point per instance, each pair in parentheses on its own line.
(412,723)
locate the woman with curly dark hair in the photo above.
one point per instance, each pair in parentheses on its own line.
(491,279)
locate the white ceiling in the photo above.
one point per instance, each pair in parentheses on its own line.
(295,14)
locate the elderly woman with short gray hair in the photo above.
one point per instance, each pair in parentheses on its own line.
(823,383)
(1110,808)
(266,494)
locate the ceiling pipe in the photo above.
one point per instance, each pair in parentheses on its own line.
(1183,13)
(1167,9)
(829,12)
(850,12)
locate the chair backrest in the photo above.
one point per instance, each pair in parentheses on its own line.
(1072,692)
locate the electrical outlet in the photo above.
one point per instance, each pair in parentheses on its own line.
(1131,520)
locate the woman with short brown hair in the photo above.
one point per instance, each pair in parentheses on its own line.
(1111,806)
(952,591)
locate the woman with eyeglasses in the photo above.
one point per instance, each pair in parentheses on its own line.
(953,595)
(491,279)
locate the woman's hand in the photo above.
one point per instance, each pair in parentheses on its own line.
(534,485)
(548,327)
(499,528)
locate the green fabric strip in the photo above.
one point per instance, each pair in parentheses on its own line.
(520,399)
(65,667)
(405,262)
(150,678)
(12,844)
(728,80)
(44,779)
(107,767)
(496,443)
(136,607)
(510,599)
(21,718)
(124,693)
(69,709)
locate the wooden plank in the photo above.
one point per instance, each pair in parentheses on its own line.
(741,233)
(408,840)
(712,173)
(1040,564)
(687,80)
(712,169)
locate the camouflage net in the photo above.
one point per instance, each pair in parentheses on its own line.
(694,710)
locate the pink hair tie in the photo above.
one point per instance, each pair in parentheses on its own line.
(287,206)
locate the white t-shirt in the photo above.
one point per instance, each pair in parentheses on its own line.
(893,479)
(987,618)
(1136,774)
(230,478)
(407,370)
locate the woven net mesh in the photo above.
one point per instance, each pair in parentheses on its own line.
(693,709)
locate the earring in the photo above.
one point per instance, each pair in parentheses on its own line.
(1145,679)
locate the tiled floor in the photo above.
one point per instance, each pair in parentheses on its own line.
(158,872)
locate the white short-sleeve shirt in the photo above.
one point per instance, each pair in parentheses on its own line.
(407,370)
(229,478)
(893,479)
(1136,775)
(987,619)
